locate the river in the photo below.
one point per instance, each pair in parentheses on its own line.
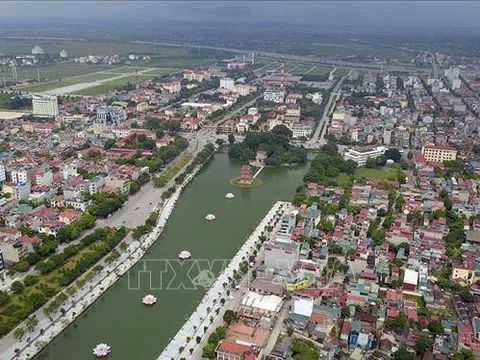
(135,331)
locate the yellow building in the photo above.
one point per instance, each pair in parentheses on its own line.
(464,273)
(439,153)
(28,127)
(299,285)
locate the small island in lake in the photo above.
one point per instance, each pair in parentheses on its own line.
(274,145)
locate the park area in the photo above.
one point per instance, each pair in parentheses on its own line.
(385,173)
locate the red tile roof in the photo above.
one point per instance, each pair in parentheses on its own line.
(233,348)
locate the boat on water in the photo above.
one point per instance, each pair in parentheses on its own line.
(229,196)
(210,217)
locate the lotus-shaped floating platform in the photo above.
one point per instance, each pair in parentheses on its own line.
(229,196)
(102,350)
(210,217)
(184,255)
(149,299)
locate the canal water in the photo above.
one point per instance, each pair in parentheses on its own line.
(135,331)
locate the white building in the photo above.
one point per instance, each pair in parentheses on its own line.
(3,174)
(37,50)
(69,170)
(281,254)
(22,191)
(276,96)
(361,156)
(20,175)
(227,83)
(63,54)
(45,105)
(300,130)
(108,116)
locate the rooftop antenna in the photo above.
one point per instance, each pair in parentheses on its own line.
(129,48)
(90,51)
(111,50)
(38,74)
(14,73)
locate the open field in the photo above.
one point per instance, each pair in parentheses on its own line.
(126,69)
(178,63)
(321,70)
(302,69)
(341,72)
(83,48)
(380,174)
(54,71)
(159,72)
(356,50)
(61,83)
(108,86)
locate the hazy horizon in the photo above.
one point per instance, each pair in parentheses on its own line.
(349,14)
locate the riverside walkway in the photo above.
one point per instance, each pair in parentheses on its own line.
(185,338)
(50,327)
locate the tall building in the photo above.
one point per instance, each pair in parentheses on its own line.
(227,83)
(3,173)
(45,105)
(439,153)
(108,116)
(21,175)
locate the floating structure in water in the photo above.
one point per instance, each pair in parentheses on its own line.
(210,217)
(101,350)
(184,255)
(149,299)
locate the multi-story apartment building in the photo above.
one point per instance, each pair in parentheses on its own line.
(45,105)
(276,96)
(438,153)
(3,173)
(108,116)
(227,83)
(20,175)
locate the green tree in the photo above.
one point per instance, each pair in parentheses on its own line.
(402,354)
(231,139)
(4,298)
(18,333)
(17,287)
(345,311)
(229,316)
(209,351)
(422,344)
(30,280)
(108,144)
(464,354)
(30,323)
(435,327)
(21,266)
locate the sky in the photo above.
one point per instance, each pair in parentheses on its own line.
(428,14)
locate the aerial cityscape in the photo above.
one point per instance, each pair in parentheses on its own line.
(239,180)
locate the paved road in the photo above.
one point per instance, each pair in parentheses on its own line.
(277,329)
(318,137)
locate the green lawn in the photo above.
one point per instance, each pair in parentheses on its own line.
(341,72)
(108,86)
(356,50)
(302,69)
(177,63)
(160,72)
(321,70)
(66,82)
(127,69)
(380,174)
